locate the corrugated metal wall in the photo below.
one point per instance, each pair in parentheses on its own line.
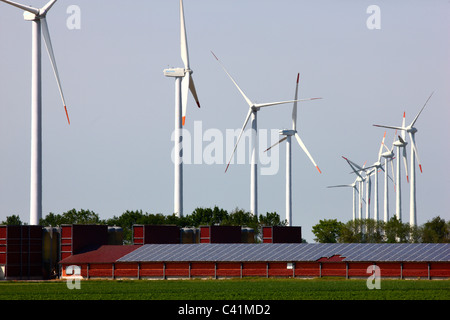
(164,270)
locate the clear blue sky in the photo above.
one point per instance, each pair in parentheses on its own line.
(116,154)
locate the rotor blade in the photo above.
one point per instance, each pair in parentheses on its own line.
(389,127)
(381,147)
(23,7)
(184,95)
(193,91)
(341,185)
(405,162)
(413,142)
(183,38)
(48,44)
(240,134)
(47,7)
(302,145)
(260,105)
(350,163)
(242,93)
(294,109)
(403,125)
(415,119)
(281,140)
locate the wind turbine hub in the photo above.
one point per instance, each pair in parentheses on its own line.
(255,109)
(411,130)
(28,16)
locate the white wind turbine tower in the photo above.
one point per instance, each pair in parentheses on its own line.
(414,154)
(388,157)
(252,112)
(288,134)
(183,83)
(400,144)
(39,24)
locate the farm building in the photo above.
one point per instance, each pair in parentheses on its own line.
(162,252)
(210,260)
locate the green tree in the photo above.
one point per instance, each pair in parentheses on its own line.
(71,217)
(327,231)
(396,231)
(436,231)
(12,220)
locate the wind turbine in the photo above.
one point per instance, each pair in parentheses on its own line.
(288,134)
(39,25)
(252,112)
(414,154)
(400,144)
(388,157)
(183,83)
(355,189)
(360,179)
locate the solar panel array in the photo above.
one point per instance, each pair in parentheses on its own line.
(264,252)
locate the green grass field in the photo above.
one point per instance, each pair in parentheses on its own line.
(233,289)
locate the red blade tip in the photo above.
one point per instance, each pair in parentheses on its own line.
(318,169)
(67,115)
(420,167)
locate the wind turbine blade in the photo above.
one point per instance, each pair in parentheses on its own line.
(405,162)
(47,7)
(403,125)
(281,140)
(183,38)
(242,93)
(341,185)
(350,163)
(261,105)
(193,91)
(23,7)
(239,138)
(381,147)
(48,44)
(413,141)
(415,119)
(184,95)
(294,109)
(302,145)
(389,127)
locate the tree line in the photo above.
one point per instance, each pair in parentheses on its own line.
(436,230)
(199,217)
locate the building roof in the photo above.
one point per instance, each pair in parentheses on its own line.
(102,254)
(250,252)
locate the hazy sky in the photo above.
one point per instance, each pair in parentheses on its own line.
(116,153)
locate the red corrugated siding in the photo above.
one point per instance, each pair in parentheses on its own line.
(126,270)
(178,269)
(254,269)
(101,270)
(202,269)
(307,269)
(277,269)
(151,269)
(357,269)
(389,269)
(438,269)
(334,269)
(228,269)
(411,269)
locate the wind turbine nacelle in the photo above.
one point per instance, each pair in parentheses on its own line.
(287,132)
(28,16)
(174,72)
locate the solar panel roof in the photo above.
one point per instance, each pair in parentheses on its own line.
(247,252)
